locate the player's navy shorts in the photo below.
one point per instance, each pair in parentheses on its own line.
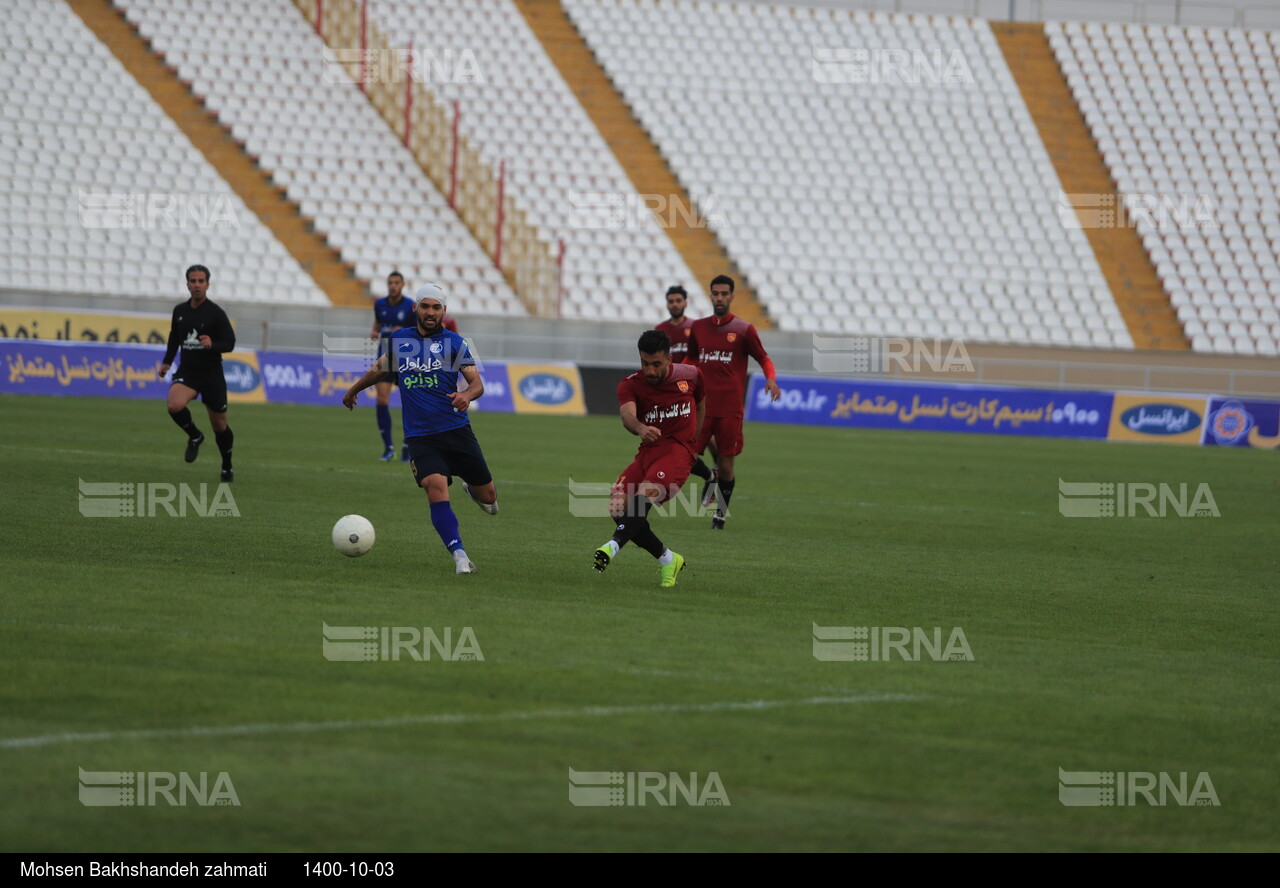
(455,452)
(727,431)
(666,465)
(210,385)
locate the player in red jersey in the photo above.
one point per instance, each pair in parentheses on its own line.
(719,346)
(664,404)
(677,330)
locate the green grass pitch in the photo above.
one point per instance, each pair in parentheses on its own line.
(195,644)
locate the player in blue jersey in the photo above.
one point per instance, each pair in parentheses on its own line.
(426,361)
(389,315)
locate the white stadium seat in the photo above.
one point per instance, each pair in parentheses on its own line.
(1196,160)
(520,110)
(827,162)
(327,145)
(94,165)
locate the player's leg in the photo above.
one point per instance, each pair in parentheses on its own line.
(214,396)
(224,438)
(669,472)
(466,460)
(430,467)
(731,446)
(707,441)
(629,509)
(180,395)
(621,504)
(711,487)
(701,469)
(383,412)
(661,476)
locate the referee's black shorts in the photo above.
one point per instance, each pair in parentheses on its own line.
(455,452)
(210,385)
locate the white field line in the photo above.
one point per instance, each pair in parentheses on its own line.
(448,718)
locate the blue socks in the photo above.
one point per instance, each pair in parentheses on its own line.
(384,423)
(446,524)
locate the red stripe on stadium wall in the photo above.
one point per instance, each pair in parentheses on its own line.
(364,41)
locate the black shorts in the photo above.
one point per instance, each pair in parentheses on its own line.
(455,452)
(210,385)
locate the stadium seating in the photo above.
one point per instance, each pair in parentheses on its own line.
(857,199)
(320,138)
(1188,122)
(519,109)
(101,192)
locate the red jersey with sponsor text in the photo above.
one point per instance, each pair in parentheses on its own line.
(719,348)
(671,406)
(679,336)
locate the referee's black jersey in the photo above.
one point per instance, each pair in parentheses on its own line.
(189,324)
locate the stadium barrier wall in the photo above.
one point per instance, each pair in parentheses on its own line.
(60,367)
(928,406)
(127,370)
(296,328)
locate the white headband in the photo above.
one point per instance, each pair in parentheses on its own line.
(430,291)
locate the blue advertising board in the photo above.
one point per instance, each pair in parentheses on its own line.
(932,407)
(50,367)
(1242,422)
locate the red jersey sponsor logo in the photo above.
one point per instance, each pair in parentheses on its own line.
(674,411)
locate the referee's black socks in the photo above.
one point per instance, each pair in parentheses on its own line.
(224,439)
(184,421)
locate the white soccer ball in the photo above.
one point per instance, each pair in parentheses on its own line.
(353,535)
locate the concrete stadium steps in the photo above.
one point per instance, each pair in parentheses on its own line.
(281,216)
(1139,295)
(636,152)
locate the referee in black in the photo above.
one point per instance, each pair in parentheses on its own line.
(203,332)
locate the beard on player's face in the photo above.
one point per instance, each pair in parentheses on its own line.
(428,324)
(654,374)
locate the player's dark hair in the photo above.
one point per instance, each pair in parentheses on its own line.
(207,276)
(723,279)
(396,274)
(678,289)
(653,342)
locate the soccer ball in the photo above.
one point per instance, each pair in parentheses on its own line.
(353,535)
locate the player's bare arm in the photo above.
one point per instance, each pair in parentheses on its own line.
(475,388)
(771,386)
(647,433)
(376,373)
